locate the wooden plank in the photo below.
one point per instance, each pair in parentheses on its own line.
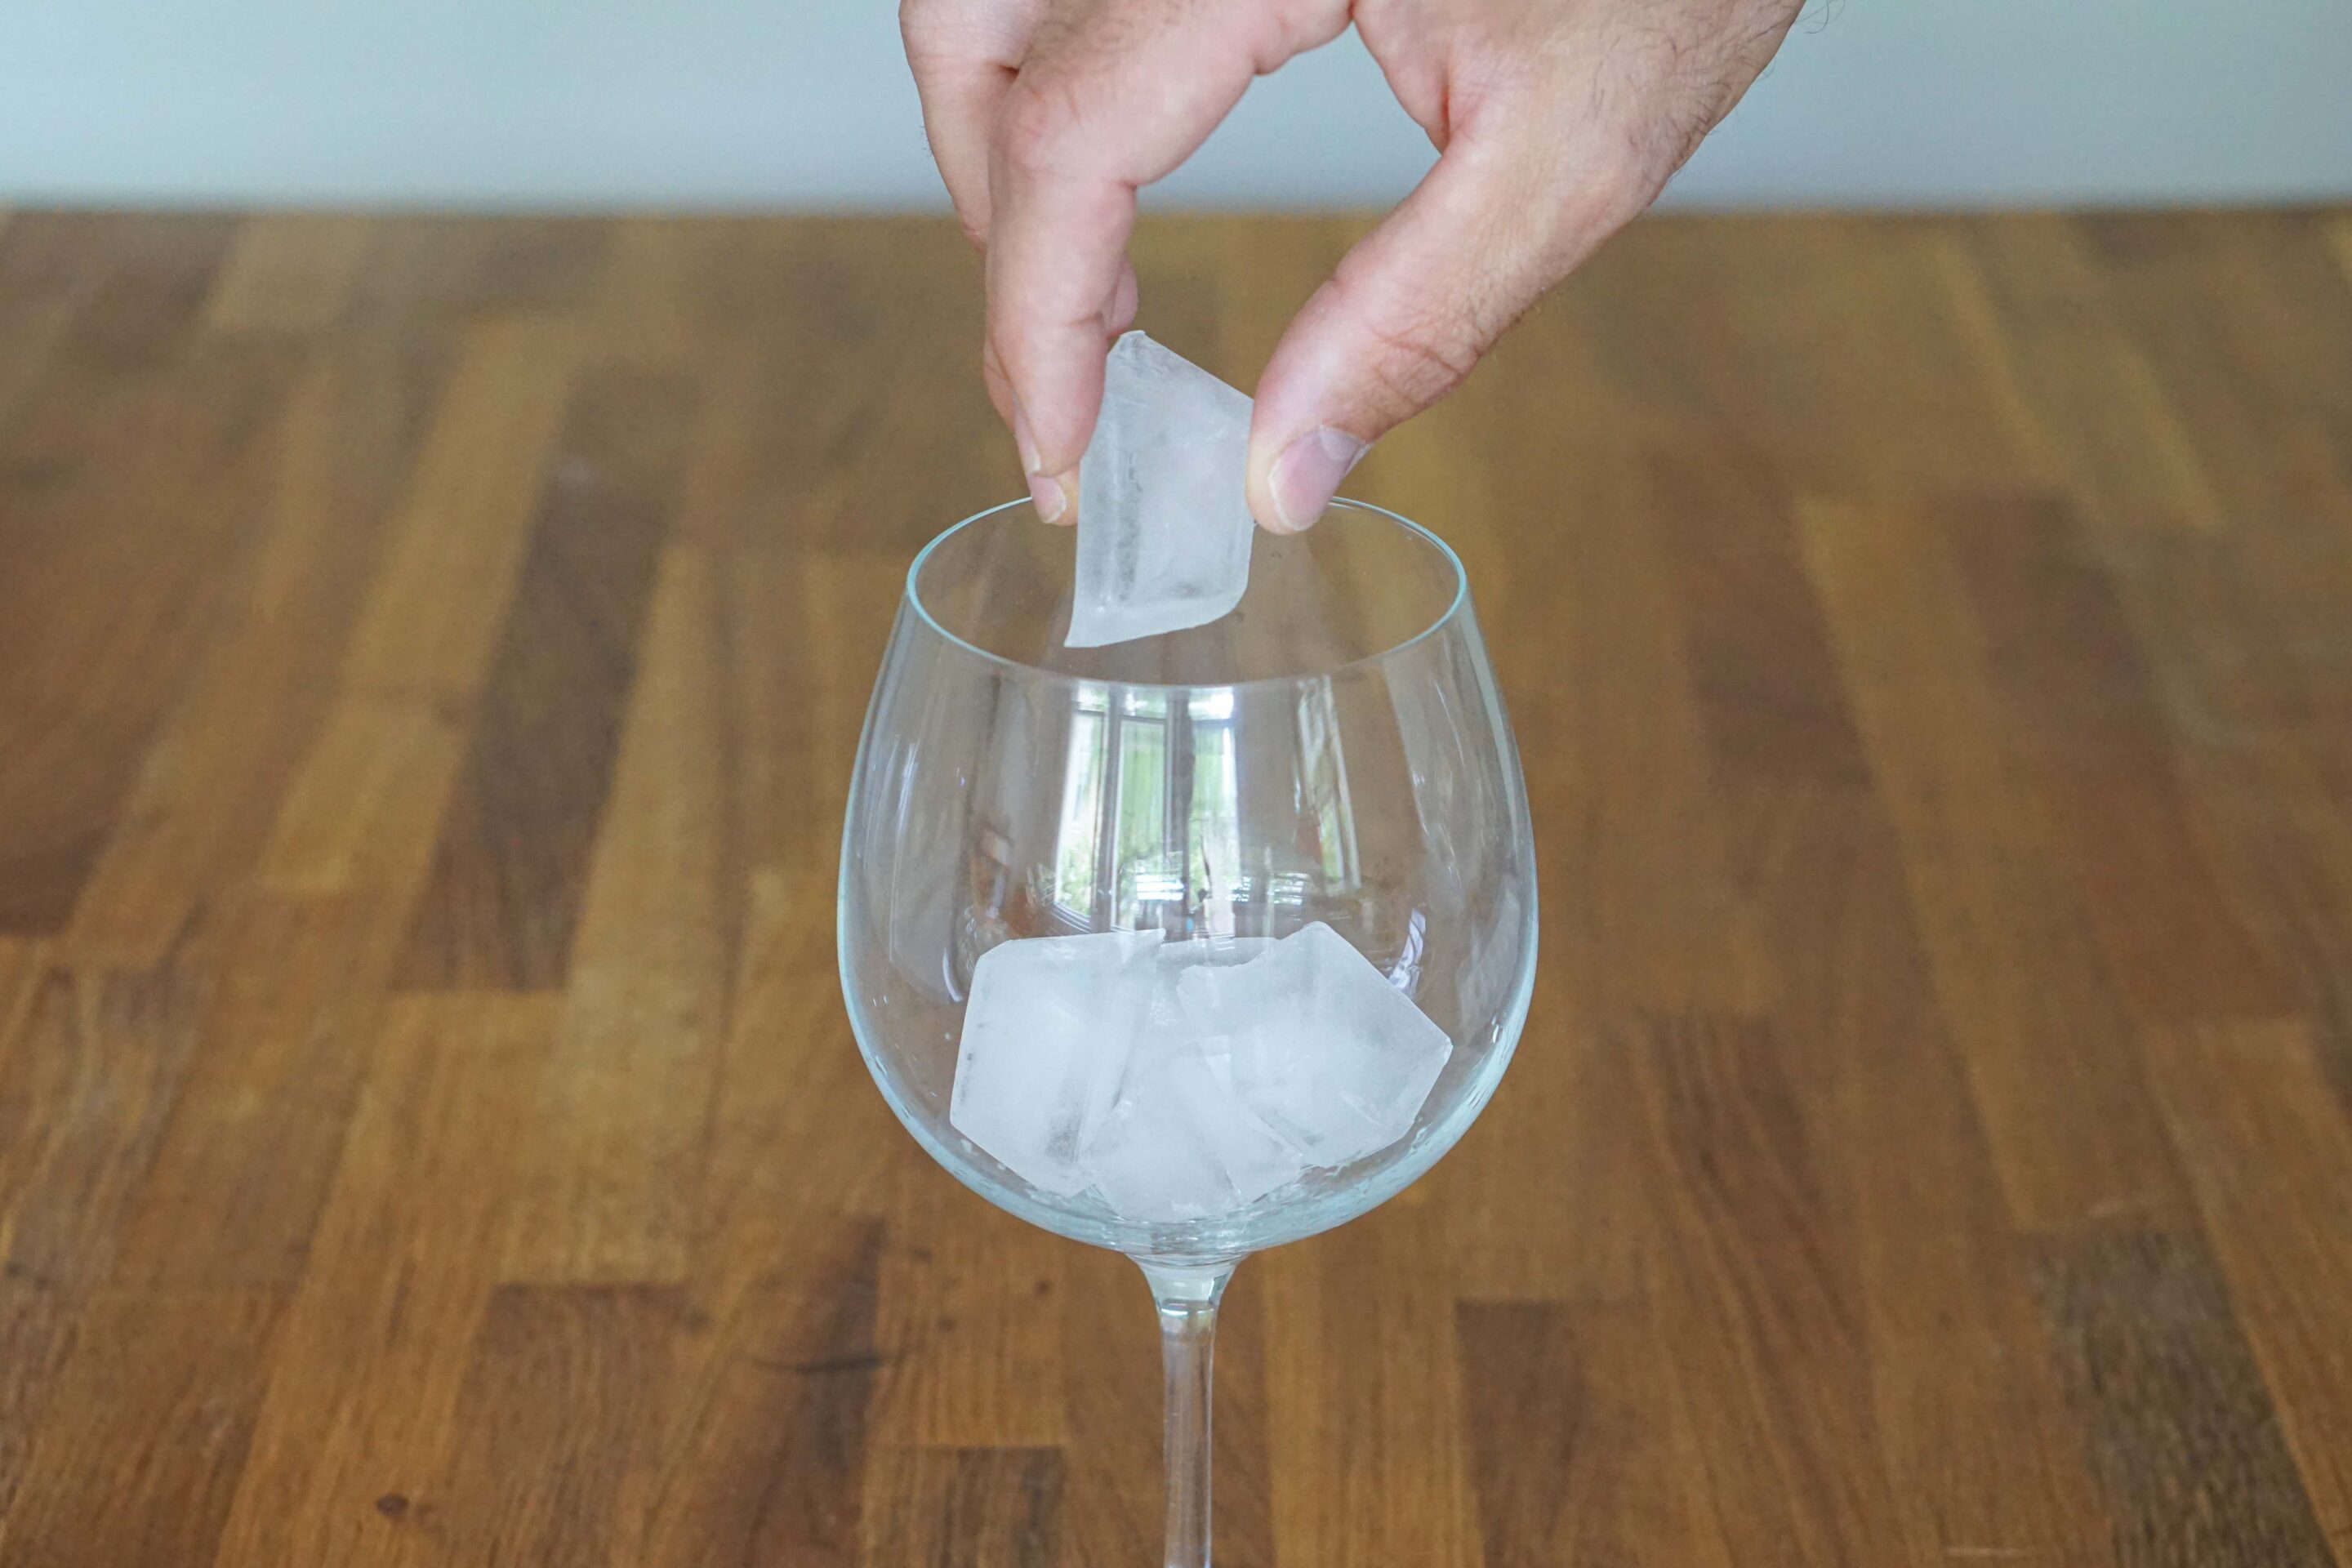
(1979,1453)
(553,1432)
(288,272)
(2093,402)
(21,963)
(1566,1092)
(772,1452)
(512,865)
(140,1456)
(88,1083)
(2271,1156)
(1111,1386)
(2339,229)
(432,277)
(2178,1431)
(435,611)
(98,628)
(255,1137)
(2065,665)
(847,602)
(1836,343)
(765,1456)
(1582,1457)
(246,1158)
(203,807)
(1763,673)
(2041,1029)
(2262,373)
(1759,1295)
(1372,1462)
(367,802)
(51,264)
(794,1109)
(616,1143)
(970,1321)
(88,1074)
(363,1381)
(1924,637)
(965,1508)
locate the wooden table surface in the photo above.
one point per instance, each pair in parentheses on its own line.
(431,656)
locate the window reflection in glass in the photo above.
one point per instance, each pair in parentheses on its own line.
(1151,813)
(1082,798)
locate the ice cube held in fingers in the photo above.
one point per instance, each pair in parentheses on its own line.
(1164,526)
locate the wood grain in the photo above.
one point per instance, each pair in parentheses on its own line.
(432,655)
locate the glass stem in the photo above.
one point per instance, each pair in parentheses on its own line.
(1187,1299)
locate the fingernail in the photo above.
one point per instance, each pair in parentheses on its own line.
(1030,461)
(1047,493)
(1307,475)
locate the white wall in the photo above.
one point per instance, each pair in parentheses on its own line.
(772,102)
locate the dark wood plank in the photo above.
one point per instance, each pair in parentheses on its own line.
(574,1376)
(2065,665)
(513,865)
(1582,1454)
(1980,1454)
(616,1139)
(771,1450)
(966,1507)
(2272,1158)
(2180,1432)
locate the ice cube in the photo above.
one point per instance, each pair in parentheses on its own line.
(1178,1145)
(1164,525)
(1323,1050)
(1167,1026)
(1047,1032)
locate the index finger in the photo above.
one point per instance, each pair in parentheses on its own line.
(1099,109)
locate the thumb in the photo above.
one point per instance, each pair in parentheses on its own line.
(1416,303)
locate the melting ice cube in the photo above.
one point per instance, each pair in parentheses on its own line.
(1164,525)
(1178,1145)
(1322,1049)
(1187,1079)
(1047,1032)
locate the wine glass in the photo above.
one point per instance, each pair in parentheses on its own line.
(1332,754)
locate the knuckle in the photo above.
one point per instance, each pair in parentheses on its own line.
(1426,352)
(918,23)
(1628,171)
(1032,127)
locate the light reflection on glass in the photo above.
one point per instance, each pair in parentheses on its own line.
(1323,780)
(1150,811)
(1081,798)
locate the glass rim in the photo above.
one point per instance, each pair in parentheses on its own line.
(1455,607)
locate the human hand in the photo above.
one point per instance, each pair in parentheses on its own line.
(1556,122)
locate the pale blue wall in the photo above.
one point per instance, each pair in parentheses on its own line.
(770,102)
